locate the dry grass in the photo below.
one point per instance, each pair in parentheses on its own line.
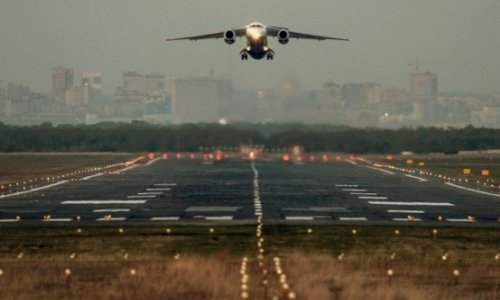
(208,264)
(16,167)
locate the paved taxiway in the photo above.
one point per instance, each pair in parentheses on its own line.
(235,191)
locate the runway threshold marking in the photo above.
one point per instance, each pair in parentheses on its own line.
(34,190)
(472,190)
(347,185)
(111,210)
(299,218)
(218,218)
(165,219)
(410,203)
(407,220)
(112,219)
(402,211)
(9,220)
(460,220)
(105,202)
(354,190)
(353,219)
(372,197)
(141,196)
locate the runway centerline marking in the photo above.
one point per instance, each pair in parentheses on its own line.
(112,219)
(299,218)
(218,218)
(410,203)
(256,191)
(141,197)
(364,194)
(157,189)
(347,185)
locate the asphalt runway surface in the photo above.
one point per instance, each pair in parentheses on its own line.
(235,191)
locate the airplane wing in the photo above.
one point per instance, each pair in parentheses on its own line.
(273,31)
(218,35)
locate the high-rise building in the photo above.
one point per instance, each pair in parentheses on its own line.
(423,96)
(93,79)
(199,99)
(62,80)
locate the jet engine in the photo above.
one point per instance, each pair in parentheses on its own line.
(283,36)
(229,37)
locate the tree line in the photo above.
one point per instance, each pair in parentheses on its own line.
(140,137)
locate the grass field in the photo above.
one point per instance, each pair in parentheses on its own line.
(19,167)
(189,262)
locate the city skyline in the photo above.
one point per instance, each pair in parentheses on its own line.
(455,39)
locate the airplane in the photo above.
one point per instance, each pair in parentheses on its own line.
(256,34)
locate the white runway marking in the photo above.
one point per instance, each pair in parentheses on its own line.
(411,203)
(407,220)
(401,211)
(347,185)
(149,163)
(112,219)
(59,220)
(256,192)
(381,170)
(299,218)
(317,209)
(353,219)
(464,220)
(141,197)
(351,162)
(372,197)
(354,190)
(299,163)
(111,210)
(8,220)
(105,202)
(34,190)
(126,169)
(92,176)
(150,193)
(364,194)
(213,208)
(165,184)
(157,189)
(219,218)
(416,177)
(472,190)
(165,219)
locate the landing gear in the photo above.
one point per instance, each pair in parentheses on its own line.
(244,56)
(269,56)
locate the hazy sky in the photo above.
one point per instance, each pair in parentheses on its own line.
(461,38)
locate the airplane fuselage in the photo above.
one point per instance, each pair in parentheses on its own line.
(257,47)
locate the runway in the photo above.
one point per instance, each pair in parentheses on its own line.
(235,191)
